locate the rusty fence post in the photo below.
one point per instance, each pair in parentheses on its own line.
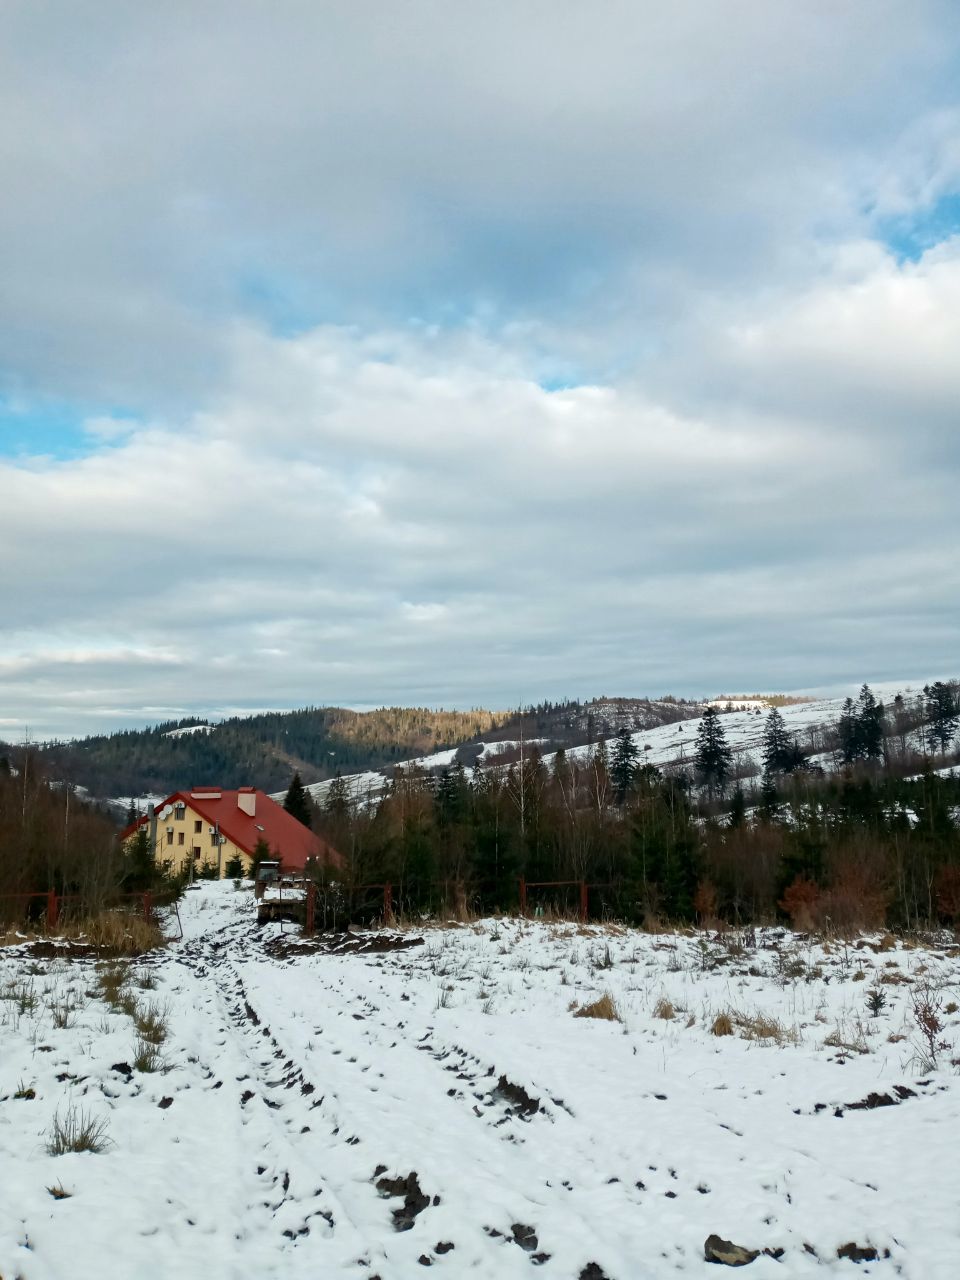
(53,909)
(387,902)
(148,906)
(584,901)
(311,909)
(523,897)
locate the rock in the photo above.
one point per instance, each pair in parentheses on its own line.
(857,1253)
(414,1200)
(728,1254)
(524,1236)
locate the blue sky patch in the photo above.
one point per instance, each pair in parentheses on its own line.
(910,237)
(55,430)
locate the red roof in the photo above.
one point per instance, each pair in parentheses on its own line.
(289,840)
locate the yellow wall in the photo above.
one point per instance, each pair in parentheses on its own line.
(176,857)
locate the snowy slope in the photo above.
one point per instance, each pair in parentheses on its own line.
(296,1081)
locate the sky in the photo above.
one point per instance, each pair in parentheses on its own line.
(473,354)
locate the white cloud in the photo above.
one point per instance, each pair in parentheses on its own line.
(311,278)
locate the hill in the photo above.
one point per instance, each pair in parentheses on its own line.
(265,749)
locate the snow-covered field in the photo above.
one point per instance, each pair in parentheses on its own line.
(363,1111)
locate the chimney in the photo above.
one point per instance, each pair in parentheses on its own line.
(247,801)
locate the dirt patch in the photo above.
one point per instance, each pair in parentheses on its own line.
(515,1094)
(414,1200)
(341,944)
(60,949)
(860,1253)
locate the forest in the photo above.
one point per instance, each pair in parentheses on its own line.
(873,844)
(263,750)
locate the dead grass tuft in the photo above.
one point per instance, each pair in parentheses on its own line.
(121,933)
(761,1027)
(146,1057)
(722,1025)
(664,1009)
(151,1022)
(604,1008)
(76,1130)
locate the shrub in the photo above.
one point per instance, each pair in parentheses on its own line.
(76,1130)
(604,1008)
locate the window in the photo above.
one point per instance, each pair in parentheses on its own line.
(197,827)
(169,837)
(179,837)
(179,811)
(196,854)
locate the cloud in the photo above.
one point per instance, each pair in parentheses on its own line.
(467,358)
(354,527)
(168,170)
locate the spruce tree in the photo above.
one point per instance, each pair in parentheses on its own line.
(712,756)
(296,802)
(847,732)
(336,803)
(943,714)
(781,752)
(623,764)
(870,717)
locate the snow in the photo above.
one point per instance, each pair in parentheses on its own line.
(295,1074)
(185,732)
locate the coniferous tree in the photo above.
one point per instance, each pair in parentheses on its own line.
(943,714)
(738,807)
(870,717)
(623,764)
(296,802)
(712,756)
(781,752)
(336,803)
(847,732)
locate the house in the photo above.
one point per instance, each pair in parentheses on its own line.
(207,825)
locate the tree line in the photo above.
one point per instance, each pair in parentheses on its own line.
(859,847)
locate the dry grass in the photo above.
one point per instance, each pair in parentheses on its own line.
(764,1029)
(76,1130)
(62,1011)
(115,933)
(113,990)
(604,1008)
(151,1022)
(722,1025)
(664,1009)
(146,1057)
(840,1038)
(121,933)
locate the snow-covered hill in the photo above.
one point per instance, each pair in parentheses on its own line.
(356,1110)
(663,745)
